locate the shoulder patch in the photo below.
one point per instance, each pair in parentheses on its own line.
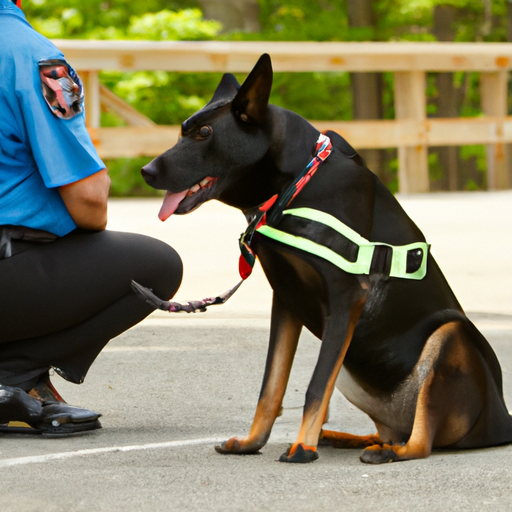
(62,88)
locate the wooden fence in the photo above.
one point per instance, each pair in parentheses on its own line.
(411,131)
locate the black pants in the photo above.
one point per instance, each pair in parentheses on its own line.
(61,302)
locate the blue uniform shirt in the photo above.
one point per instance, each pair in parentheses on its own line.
(38,149)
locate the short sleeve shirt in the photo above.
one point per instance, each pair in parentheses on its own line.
(39,150)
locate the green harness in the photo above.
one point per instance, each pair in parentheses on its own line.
(406,262)
(365,252)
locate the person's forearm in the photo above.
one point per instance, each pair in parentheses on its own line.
(86,201)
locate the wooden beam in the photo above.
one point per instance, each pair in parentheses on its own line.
(378,134)
(112,102)
(411,104)
(91,83)
(432,132)
(493,92)
(134,141)
(153,140)
(240,56)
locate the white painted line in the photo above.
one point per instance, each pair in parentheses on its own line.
(37,459)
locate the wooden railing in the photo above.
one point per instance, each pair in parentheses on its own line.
(411,131)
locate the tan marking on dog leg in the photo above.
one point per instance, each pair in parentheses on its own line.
(442,416)
(285,332)
(427,419)
(463,388)
(346,440)
(314,416)
(423,430)
(420,442)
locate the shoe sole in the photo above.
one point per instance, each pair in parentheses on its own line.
(64,430)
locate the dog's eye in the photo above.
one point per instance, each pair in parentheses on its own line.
(205,131)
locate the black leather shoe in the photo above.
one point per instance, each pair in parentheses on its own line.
(62,418)
(17,405)
(42,411)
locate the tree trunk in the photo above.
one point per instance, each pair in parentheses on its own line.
(448,95)
(366,87)
(233,14)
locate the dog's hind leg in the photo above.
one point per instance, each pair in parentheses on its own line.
(284,336)
(335,342)
(420,442)
(456,396)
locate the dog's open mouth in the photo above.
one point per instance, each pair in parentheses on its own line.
(173,199)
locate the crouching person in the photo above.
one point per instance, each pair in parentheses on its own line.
(64,279)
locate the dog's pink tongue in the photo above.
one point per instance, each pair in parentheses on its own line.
(171,202)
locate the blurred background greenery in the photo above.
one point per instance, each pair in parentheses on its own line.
(169,98)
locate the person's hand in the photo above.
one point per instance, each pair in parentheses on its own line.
(86,200)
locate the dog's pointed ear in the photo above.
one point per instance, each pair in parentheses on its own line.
(251,102)
(226,90)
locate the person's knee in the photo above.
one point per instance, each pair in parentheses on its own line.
(147,260)
(171,273)
(164,269)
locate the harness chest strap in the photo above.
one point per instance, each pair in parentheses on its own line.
(366,249)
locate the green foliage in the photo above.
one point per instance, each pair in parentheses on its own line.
(477,152)
(318,96)
(435,170)
(184,25)
(477,20)
(126,178)
(303,20)
(166,98)
(83,19)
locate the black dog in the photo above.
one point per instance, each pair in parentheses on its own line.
(346,262)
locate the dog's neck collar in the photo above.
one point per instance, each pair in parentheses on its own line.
(271,210)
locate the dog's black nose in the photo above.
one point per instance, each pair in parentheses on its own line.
(148,173)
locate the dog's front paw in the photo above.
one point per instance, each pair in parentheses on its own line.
(300,453)
(235,445)
(378,454)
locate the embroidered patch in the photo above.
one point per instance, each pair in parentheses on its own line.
(62,88)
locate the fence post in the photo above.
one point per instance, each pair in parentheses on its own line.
(91,84)
(493,93)
(411,104)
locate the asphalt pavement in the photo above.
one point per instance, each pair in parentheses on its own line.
(174,386)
